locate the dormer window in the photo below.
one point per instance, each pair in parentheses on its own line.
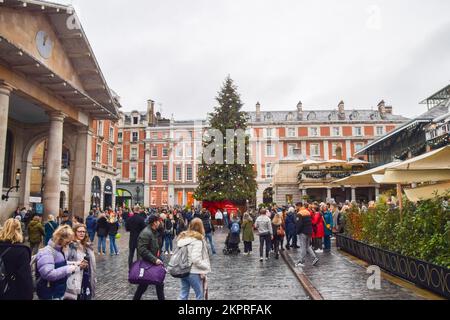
(268,117)
(290,117)
(312,116)
(354,115)
(135,120)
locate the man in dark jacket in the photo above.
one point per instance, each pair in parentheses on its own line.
(305,230)
(149,250)
(102,232)
(134,225)
(91,225)
(205,216)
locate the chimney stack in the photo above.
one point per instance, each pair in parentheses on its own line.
(299,110)
(258,112)
(150,112)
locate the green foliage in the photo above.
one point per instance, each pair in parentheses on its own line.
(234,182)
(421,232)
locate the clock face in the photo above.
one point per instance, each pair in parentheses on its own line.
(44,44)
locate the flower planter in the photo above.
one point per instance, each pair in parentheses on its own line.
(423,274)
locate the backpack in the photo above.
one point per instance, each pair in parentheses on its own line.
(235,228)
(4,277)
(179,266)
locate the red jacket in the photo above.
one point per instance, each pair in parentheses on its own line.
(317,222)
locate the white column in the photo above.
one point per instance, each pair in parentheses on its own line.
(184,197)
(353,193)
(377,192)
(326,150)
(25,183)
(53,166)
(304,192)
(328,194)
(303,146)
(146,195)
(5,91)
(348,153)
(171,194)
(82,173)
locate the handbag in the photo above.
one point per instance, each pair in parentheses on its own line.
(144,272)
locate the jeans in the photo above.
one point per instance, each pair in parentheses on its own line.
(294,241)
(132,245)
(289,240)
(305,246)
(267,240)
(247,246)
(327,242)
(102,244)
(317,243)
(276,244)
(143,287)
(91,235)
(210,239)
(112,245)
(168,240)
(225,221)
(192,280)
(34,248)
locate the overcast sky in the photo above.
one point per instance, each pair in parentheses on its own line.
(178,52)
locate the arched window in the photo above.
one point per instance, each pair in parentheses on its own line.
(7,169)
(312,116)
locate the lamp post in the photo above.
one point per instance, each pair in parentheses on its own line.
(6,197)
(138,189)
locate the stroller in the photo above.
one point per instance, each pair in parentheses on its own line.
(232,244)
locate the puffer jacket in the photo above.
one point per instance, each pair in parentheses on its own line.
(290,223)
(197,251)
(35,232)
(53,269)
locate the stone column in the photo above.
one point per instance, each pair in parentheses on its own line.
(52,180)
(353,193)
(328,194)
(184,197)
(5,91)
(304,193)
(82,173)
(377,192)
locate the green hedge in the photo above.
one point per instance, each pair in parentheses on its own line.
(422,233)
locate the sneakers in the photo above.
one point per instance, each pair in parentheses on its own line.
(299,264)
(166,252)
(267,258)
(261,259)
(315,261)
(171,252)
(319,251)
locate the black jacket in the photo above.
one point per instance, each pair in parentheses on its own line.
(304,224)
(113,228)
(207,224)
(102,227)
(17,262)
(135,225)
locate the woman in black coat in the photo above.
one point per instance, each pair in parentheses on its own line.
(16,259)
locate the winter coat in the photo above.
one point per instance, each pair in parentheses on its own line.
(290,223)
(76,253)
(264,225)
(303,223)
(219,215)
(197,251)
(35,232)
(247,231)
(328,217)
(169,227)
(135,225)
(148,245)
(113,228)
(50,227)
(102,227)
(207,224)
(318,228)
(17,263)
(53,269)
(91,224)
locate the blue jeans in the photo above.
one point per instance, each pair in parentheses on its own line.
(194,281)
(112,245)
(327,242)
(102,244)
(91,235)
(225,221)
(210,239)
(169,242)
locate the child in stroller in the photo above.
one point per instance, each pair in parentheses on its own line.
(232,243)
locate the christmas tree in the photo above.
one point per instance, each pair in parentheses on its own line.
(231,180)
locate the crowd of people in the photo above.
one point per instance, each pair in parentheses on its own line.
(59,259)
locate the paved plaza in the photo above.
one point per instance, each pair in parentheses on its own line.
(241,277)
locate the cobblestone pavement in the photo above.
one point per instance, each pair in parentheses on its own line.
(237,277)
(338,278)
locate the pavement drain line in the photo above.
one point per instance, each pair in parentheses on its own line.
(312,292)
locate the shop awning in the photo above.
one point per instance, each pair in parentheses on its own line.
(427,192)
(410,176)
(365,177)
(436,159)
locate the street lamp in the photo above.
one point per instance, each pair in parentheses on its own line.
(137,194)
(6,197)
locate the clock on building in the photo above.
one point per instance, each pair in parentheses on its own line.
(44,44)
